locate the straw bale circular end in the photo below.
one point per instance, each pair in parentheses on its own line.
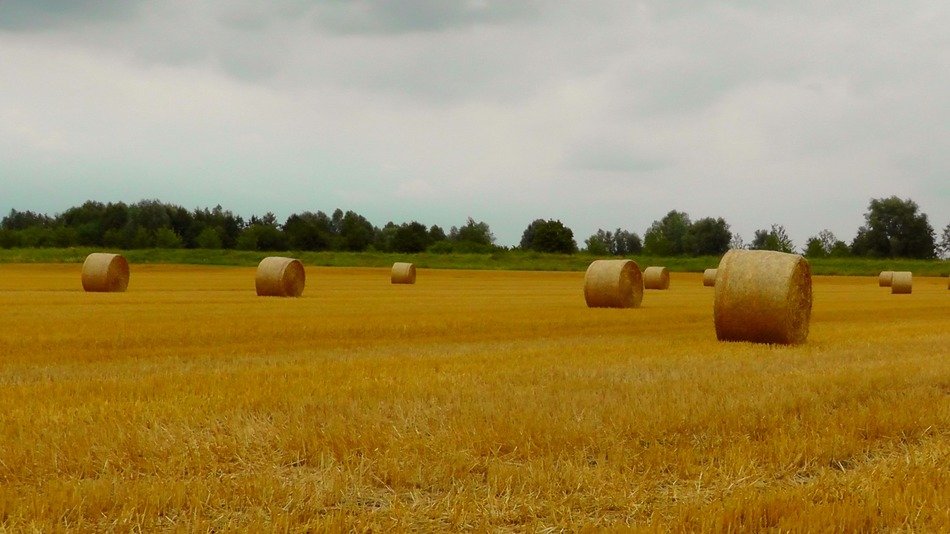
(709,278)
(656,278)
(884,279)
(763,297)
(280,277)
(403,273)
(902,283)
(103,272)
(613,284)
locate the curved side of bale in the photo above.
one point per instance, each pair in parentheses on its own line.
(902,283)
(884,279)
(656,278)
(403,273)
(105,273)
(280,277)
(613,284)
(709,278)
(763,297)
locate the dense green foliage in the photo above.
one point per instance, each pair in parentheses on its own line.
(548,236)
(894,228)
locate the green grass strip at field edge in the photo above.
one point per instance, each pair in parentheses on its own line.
(501,260)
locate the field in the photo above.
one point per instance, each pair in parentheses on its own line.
(486,400)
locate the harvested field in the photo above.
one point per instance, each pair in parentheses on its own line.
(484,400)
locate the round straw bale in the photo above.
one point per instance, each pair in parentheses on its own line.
(884,279)
(613,284)
(902,283)
(280,277)
(102,272)
(403,273)
(656,278)
(763,297)
(709,277)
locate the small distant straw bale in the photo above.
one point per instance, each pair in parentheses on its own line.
(902,283)
(280,277)
(763,297)
(656,278)
(613,284)
(709,277)
(403,273)
(884,279)
(105,273)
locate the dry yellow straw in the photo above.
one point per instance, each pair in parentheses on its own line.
(280,277)
(902,283)
(656,278)
(762,296)
(403,273)
(102,272)
(613,284)
(709,278)
(884,279)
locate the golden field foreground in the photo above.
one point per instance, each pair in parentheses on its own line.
(471,400)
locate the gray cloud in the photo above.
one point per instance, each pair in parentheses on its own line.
(602,114)
(383,16)
(32,15)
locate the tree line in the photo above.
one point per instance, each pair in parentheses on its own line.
(893,227)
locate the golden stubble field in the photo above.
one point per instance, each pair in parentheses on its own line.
(472,400)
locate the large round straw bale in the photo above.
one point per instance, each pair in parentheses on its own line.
(102,272)
(403,273)
(902,283)
(656,278)
(884,279)
(763,297)
(709,277)
(613,284)
(280,277)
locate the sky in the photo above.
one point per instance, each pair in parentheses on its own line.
(600,114)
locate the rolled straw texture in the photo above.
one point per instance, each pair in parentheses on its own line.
(656,278)
(763,297)
(884,279)
(902,283)
(709,277)
(280,277)
(613,284)
(103,272)
(403,273)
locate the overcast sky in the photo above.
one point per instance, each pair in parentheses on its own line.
(602,114)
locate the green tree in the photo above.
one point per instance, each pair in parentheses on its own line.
(356,233)
(599,243)
(167,238)
(309,231)
(669,236)
(944,245)
(617,243)
(436,234)
(548,236)
(473,232)
(410,237)
(709,237)
(894,228)
(209,238)
(774,239)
